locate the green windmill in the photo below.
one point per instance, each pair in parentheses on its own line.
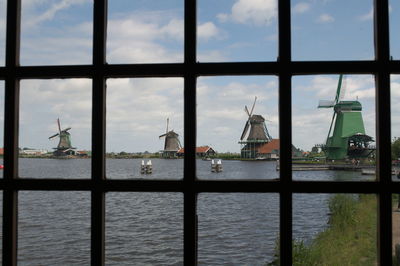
(347,139)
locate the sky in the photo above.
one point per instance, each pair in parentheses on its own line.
(57,32)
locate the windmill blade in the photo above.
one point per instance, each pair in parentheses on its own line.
(163,135)
(338,89)
(59,126)
(246,128)
(65,130)
(343,89)
(246,110)
(252,108)
(55,135)
(166,131)
(330,127)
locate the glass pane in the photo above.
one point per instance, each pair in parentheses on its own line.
(144,229)
(145,31)
(237,123)
(332,30)
(336,229)
(1,224)
(237,228)
(55,124)
(333,127)
(394,20)
(145,126)
(1,127)
(395,128)
(53,228)
(3,16)
(396,229)
(56,32)
(237,30)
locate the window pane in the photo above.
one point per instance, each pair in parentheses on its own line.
(145,124)
(53,228)
(394,19)
(144,229)
(334,136)
(145,31)
(395,120)
(237,30)
(332,30)
(336,229)
(3,10)
(56,32)
(237,228)
(1,127)
(396,229)
(55,124)
(237,122)
(1,224)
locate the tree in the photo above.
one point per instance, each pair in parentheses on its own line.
(396,149)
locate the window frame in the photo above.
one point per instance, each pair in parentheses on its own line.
(382,67)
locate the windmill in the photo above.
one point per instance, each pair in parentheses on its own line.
(258,135)
(171,144)
(347,138)
(64,146)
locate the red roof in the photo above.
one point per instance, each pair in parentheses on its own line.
(202,149)
(269,147)
(1,151)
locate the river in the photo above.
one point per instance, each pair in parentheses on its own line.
(147,228)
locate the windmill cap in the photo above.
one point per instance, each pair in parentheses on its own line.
(348,106)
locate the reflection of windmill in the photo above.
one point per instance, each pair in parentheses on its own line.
(257,136)
(64,146)
(172,144)
(348,138)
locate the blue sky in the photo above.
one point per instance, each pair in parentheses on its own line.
(142,31)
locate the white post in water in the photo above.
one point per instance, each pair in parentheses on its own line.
(142,168)
(216,166)
(149,167)
(219,166)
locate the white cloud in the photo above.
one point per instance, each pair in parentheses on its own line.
(301,8)
(325,18)
(207,31)
(254,12)
(352,87)
(174,29)
(50,12)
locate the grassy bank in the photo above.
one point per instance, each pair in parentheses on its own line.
(350,238)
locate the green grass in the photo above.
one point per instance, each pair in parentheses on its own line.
(350,238)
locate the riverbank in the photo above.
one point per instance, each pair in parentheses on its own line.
(350,238)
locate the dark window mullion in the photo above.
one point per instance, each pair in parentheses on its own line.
(285,131)
(98,133)
(11,114)
(190,75)
(383,125)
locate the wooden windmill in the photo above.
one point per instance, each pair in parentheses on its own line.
(171,144)
(254,135)
(346,135)
(64,146)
